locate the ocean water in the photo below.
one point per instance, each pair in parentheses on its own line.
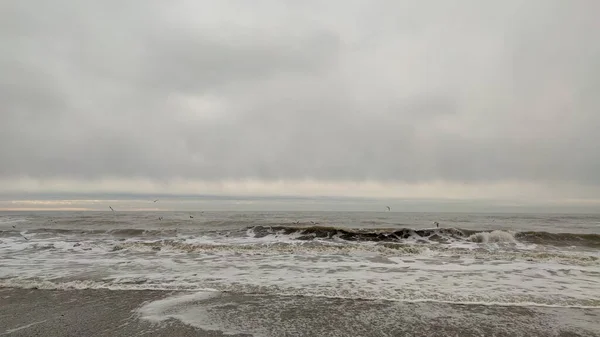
(493,260)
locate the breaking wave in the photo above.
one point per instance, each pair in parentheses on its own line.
(337,234)
(375,235)
(440,235)
(492,237)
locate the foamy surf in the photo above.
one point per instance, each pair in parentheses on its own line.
(453,264)
(493,237)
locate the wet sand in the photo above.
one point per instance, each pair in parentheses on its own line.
(83,313)
(114,313)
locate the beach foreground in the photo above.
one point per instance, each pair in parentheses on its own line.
(33,312)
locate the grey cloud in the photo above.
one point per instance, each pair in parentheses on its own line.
(384,90)
(195,63)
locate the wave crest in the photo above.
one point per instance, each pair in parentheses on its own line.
(376,235)
(438,235)
(492,237)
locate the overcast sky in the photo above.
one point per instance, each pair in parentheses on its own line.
(408,99)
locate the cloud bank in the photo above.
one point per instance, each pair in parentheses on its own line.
(329,94)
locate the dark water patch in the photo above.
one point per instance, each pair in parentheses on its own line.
(118,232)
(560,239)
(9,233)
(64,231)
(377,235)
(133,232)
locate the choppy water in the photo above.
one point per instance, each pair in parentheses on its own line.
(502,259)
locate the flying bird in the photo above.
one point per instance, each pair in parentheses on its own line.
(14,226)
(111,208)
(191,217)
(388,208)
(437,224)
(155,200)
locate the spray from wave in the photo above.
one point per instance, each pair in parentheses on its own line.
(492,237)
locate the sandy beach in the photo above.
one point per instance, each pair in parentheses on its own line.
(83,313)
(116,313)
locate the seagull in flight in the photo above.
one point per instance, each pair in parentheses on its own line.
(191,217)
(155,200)
(388,208)
(111,209)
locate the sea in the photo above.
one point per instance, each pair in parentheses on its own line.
(342,273)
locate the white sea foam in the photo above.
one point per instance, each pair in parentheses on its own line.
(364,274)
(162,309)
(492,237)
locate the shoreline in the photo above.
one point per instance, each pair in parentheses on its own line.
(36,312)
